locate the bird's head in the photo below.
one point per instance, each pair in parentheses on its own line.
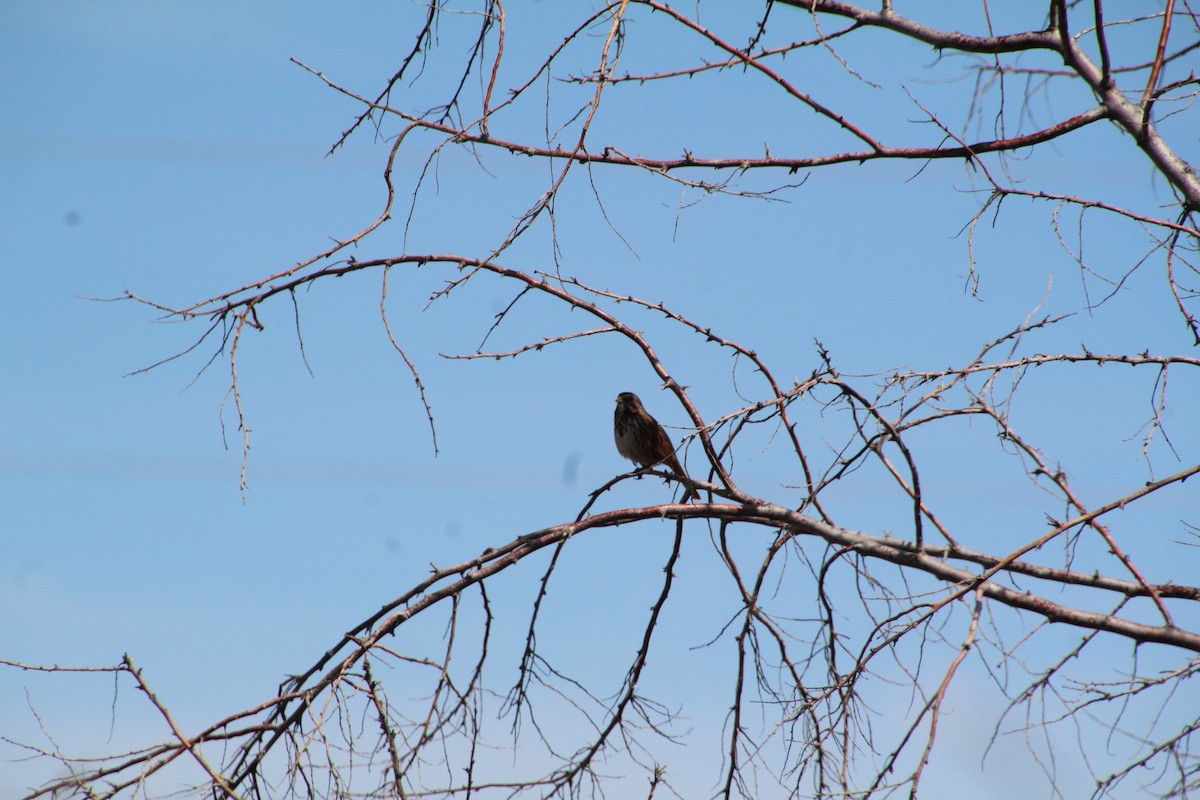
(628,401)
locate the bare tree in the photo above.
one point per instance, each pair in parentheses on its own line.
(844,642)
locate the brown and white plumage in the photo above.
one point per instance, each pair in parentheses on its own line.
(643,441)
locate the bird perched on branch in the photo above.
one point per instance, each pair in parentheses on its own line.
(642,440)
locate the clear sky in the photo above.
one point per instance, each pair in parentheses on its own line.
(174,151)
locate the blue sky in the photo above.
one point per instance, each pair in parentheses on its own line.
(172,150)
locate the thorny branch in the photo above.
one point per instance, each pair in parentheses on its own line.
(824,624)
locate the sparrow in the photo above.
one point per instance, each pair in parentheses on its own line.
(643,441)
